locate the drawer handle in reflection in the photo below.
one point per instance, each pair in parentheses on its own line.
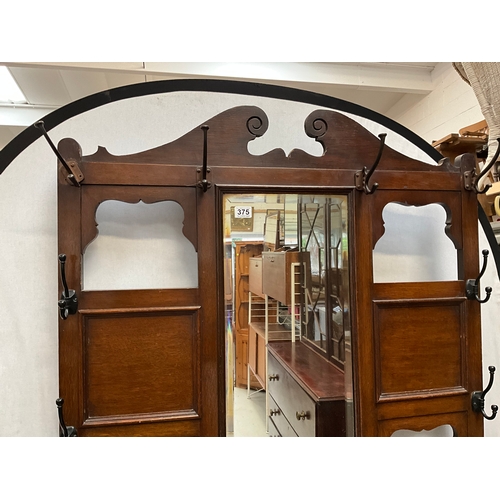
(303,415)
(274,412)
(273,377)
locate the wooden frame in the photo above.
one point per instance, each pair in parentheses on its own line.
(348,148)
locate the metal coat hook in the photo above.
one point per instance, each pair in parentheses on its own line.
(478,398)
(204,184)
(363,176)
(63,430)
(75,175)
(472,180)
(472,286)
(68,303)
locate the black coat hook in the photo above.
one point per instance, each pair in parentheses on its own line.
(472,180)
(472,286)
(204,184)
(75,175)
(363,176)
(63,430)
(478,398)
(68,303)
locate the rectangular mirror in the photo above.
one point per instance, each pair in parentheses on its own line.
(287,284)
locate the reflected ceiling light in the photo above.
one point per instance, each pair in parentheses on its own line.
(9,90)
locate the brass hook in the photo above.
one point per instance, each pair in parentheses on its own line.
(363,176)
(472,286)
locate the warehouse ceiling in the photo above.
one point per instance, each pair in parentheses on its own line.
(48,86)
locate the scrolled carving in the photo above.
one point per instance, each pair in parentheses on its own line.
(257,125)
(315,127)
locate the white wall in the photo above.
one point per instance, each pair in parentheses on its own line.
(28,244)
(451,106)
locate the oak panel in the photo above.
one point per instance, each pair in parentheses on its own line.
(140,363)
(419,346)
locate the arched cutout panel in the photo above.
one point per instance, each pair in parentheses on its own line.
(414,246)
(95,195)
(140,246)
(441,431)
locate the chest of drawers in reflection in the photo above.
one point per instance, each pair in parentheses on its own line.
(306,393)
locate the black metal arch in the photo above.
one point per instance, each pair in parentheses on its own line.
(31,133)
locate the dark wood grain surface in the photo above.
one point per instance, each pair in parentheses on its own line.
(318,377)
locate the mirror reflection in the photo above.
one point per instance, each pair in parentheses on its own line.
(288,360)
